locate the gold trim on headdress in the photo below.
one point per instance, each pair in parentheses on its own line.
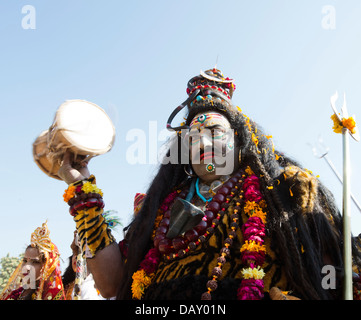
(40,238)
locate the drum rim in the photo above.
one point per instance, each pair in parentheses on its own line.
(40,164)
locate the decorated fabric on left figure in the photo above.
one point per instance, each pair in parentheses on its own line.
(38,276)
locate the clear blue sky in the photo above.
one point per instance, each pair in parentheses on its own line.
(134,58)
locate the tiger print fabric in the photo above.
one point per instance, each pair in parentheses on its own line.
(93,231)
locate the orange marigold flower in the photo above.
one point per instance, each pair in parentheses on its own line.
(250,206)
(253,209)
(141,281)
(260,214)
(69,193)
(350,124)
(253,247)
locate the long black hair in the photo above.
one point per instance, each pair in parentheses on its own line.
(69,274)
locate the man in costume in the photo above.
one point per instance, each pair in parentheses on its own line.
(38,276)
(239,220)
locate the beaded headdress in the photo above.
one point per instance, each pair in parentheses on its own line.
(40,238)
(210,88)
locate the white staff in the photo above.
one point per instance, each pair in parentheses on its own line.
(345,124)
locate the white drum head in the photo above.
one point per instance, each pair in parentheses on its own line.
(80,127)
(86,127)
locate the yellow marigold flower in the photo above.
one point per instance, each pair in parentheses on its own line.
(253,209)
(260,214)
(250,206)
(337,126)
(253,273)
(89,187)
(97,190)
(348,123)
(140,282)
(69,193)
(252,246)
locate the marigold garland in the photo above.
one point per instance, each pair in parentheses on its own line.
(253,250)
(253,209)
(84,187)
(252,246)
(140,282)
(253,273)
(89,187)
(69,193)
(144,276)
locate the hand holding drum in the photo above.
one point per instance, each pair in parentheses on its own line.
(80,130)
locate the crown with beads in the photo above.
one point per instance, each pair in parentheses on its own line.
(212,85)
(40,238)
(208,88)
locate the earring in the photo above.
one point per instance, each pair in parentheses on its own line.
(187,173)
(210,167)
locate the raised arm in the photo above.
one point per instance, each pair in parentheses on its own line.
(97,243)
(106,268)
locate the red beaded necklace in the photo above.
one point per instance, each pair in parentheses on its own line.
(181,245)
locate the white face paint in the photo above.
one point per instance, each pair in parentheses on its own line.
(211,143)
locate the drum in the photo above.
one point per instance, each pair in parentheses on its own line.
(79,126)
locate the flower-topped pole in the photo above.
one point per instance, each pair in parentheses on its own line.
(345,124)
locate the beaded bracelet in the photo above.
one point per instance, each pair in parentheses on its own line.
(83,194)
(81,190)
